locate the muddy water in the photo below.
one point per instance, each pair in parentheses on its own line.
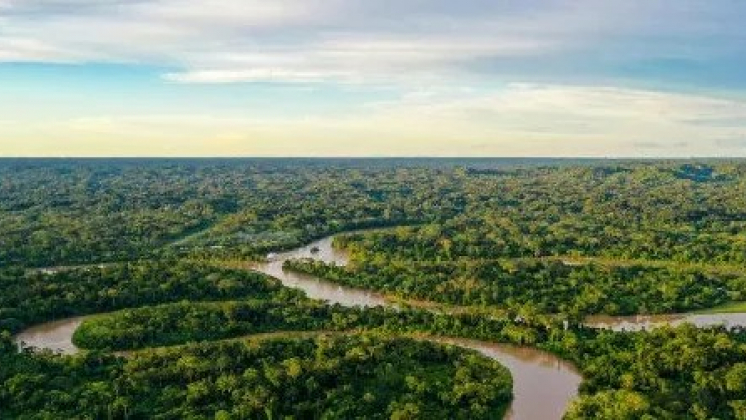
(644,322)
(56,336)
(543,384)
(314,287)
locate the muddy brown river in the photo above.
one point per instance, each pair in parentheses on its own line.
(543,384)
(643,322)
(55,335)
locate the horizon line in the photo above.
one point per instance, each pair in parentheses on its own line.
(373,157)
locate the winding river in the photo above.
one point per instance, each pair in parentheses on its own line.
(543,384)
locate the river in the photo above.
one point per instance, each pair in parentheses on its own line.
(56,335)
(643,322)
(543,384)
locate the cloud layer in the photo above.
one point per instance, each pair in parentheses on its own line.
(384,77)
(359,41)
(520,120)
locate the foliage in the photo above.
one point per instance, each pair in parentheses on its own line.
(189,322)
(30,297)
(651,237)
(667,373)
(681,372)
(326,377)
(548,286)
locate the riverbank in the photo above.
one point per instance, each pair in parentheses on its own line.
(538,375)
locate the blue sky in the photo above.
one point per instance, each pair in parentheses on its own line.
(381,78)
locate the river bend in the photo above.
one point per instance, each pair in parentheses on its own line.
(543,384)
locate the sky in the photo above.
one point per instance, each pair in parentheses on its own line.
(633,78)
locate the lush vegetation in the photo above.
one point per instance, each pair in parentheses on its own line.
(613,239)
(30,297)
(530,246)
(62,212)
(65,212)
(188,322)
(549,286)
(674,373)
(326,377)
(668,373)
(185,322)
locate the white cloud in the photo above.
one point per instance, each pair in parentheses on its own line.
(32,50)
(448,55)
(520,120)
(349,58)
(254,74)
(581,113)
(246,40)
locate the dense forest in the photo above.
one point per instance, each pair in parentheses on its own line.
(325,377)
(546,286)
(93,211)
(667,373)
(31,297)
(73,212)
(186,322)
(681,372)
(523,251)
